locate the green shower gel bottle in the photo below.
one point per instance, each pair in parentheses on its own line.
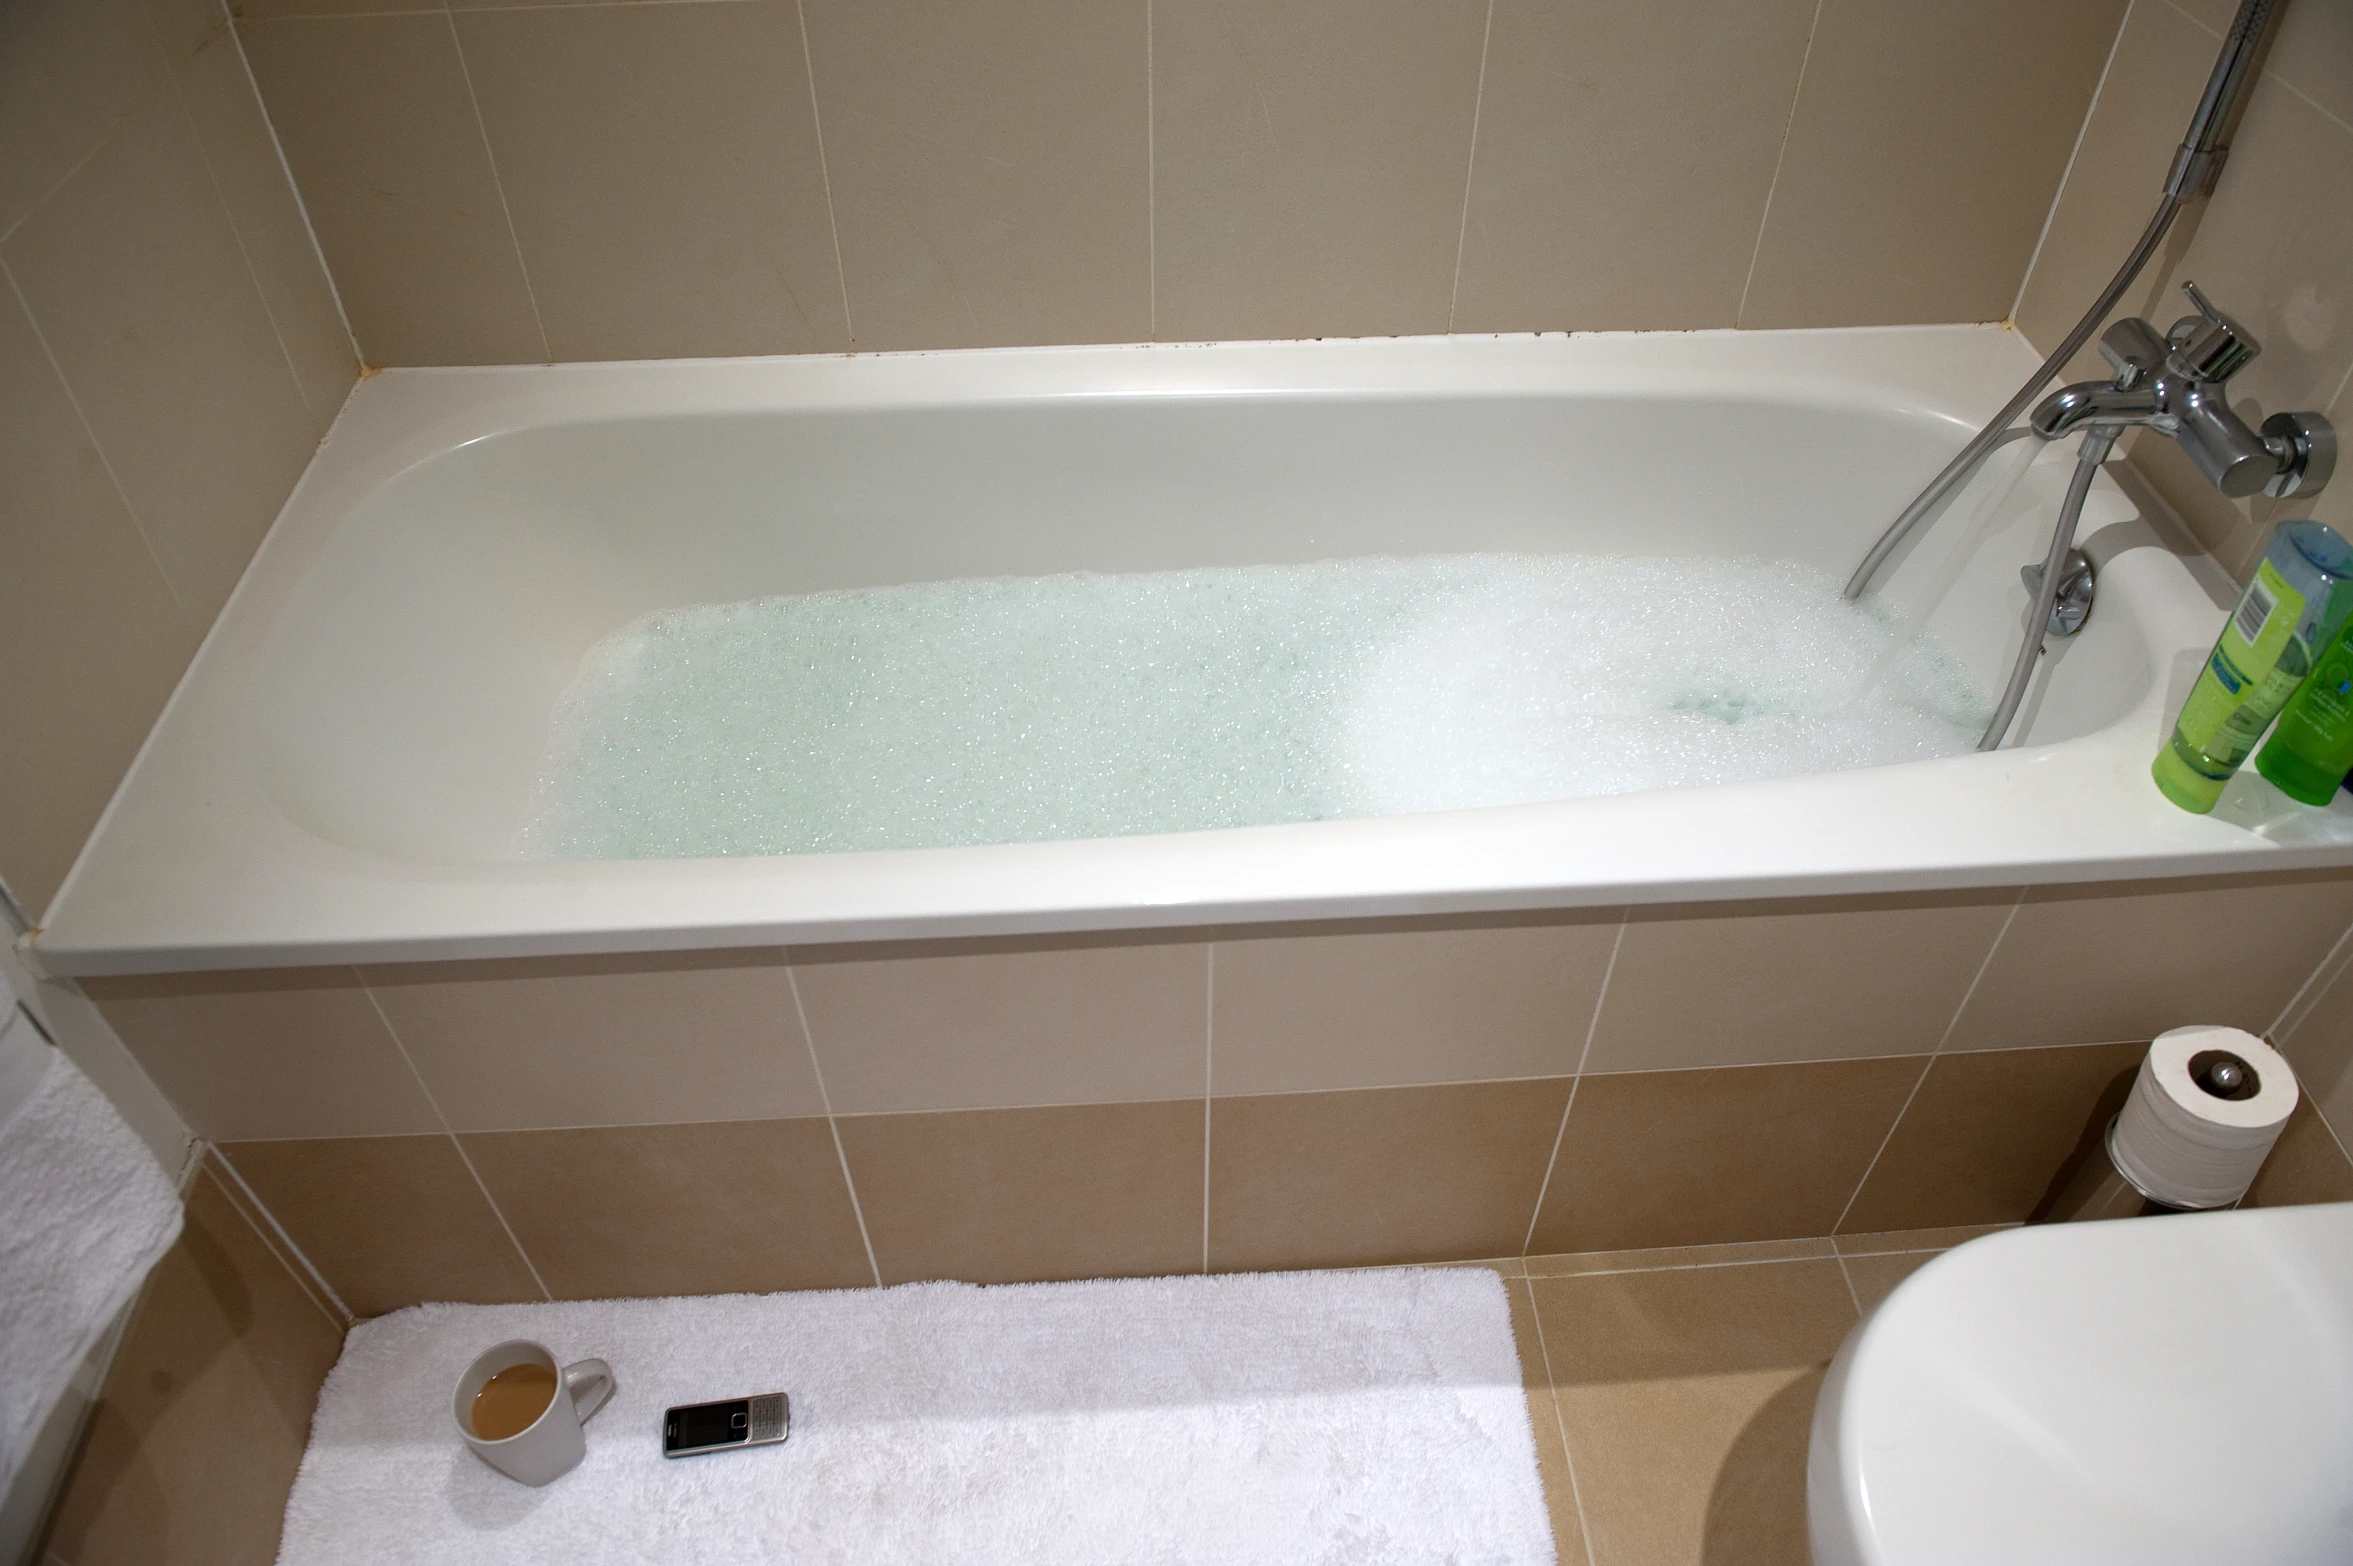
(2310,752)
(2298,601)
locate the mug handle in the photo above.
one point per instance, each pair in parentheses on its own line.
(597,1377)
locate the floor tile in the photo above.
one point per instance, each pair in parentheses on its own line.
(1552,1456)
(1898,1240)
(1874,1277)
(1685,1396)
(1584,1262)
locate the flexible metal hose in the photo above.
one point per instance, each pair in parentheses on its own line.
(2194,166)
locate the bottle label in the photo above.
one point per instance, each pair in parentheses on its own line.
(2243,680)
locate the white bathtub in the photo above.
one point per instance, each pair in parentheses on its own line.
(344,771)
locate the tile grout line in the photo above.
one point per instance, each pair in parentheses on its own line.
(497,183)
(450,1131)
(2270,74)
(1929,1064)
(1978,977)
(90,432)
(792,983)
(2280,1026)
(235,1174)
(1152,268)
(302,1283)
(1848,1279)
(2115,47)
(286,170)
(1560,1421)
(1208,1089)
(1880,1151)
(1780,156)
(122,122)
(841,272)
(1470,166)
(244,252)
(1592,1026)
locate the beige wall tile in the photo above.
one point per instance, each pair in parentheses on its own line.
(1030,1195)
(1687,1397)
(1385,1004)
(388,1220)
(1658,1158)
(1384,1175)
(71,73)
(2319,1044)
(2161,63)
(661,164)
(2306,1164)
(380,130)
(270,225)
(2312,52)
(1006,1023)
(2273,248)
(295,1052)
(202,1420)
(1990,1135)
(603,1041)
(89,632)
(1738,984)
(988,167)
(2091,964)
(184,27)
(1925,149)
(139,286)
(1309,164)
(741,1206)
(259,10)
(2311,47)
(1624,158)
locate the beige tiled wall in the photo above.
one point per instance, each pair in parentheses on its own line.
(1322,1094)
(504,183)
(192,1448)
(2273,245)
(171,351)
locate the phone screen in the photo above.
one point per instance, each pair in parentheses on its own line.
(707,1424)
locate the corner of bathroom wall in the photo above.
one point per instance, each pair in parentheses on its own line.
(171,353)
(2273,245)
(200,1424)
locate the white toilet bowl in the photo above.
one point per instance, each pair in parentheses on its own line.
(2143,1393)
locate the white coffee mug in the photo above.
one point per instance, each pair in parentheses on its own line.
(551,1446)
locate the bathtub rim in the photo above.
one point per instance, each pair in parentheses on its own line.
(224,908)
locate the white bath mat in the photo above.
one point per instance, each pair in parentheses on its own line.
(1356,1417)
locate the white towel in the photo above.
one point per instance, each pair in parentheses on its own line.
(85,1211)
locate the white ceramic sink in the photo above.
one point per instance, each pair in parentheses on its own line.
(2150,1391)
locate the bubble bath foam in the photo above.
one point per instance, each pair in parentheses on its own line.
(1009,710)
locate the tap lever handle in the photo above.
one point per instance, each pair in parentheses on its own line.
(2210,346)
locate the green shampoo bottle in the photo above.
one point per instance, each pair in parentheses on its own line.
(2310,752)
(2300,598)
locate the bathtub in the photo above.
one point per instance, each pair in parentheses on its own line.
(344,771)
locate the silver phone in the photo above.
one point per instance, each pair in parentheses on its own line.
(694,1428)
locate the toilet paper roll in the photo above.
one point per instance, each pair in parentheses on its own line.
(2186,1146)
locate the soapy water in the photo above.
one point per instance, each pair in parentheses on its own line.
(1086,705)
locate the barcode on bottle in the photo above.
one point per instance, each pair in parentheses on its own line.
(2254,609)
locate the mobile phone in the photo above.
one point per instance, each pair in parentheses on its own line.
(693,1428)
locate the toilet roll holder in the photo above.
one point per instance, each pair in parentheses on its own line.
(2100,1187)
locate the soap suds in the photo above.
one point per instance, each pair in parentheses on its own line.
(1087,705)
